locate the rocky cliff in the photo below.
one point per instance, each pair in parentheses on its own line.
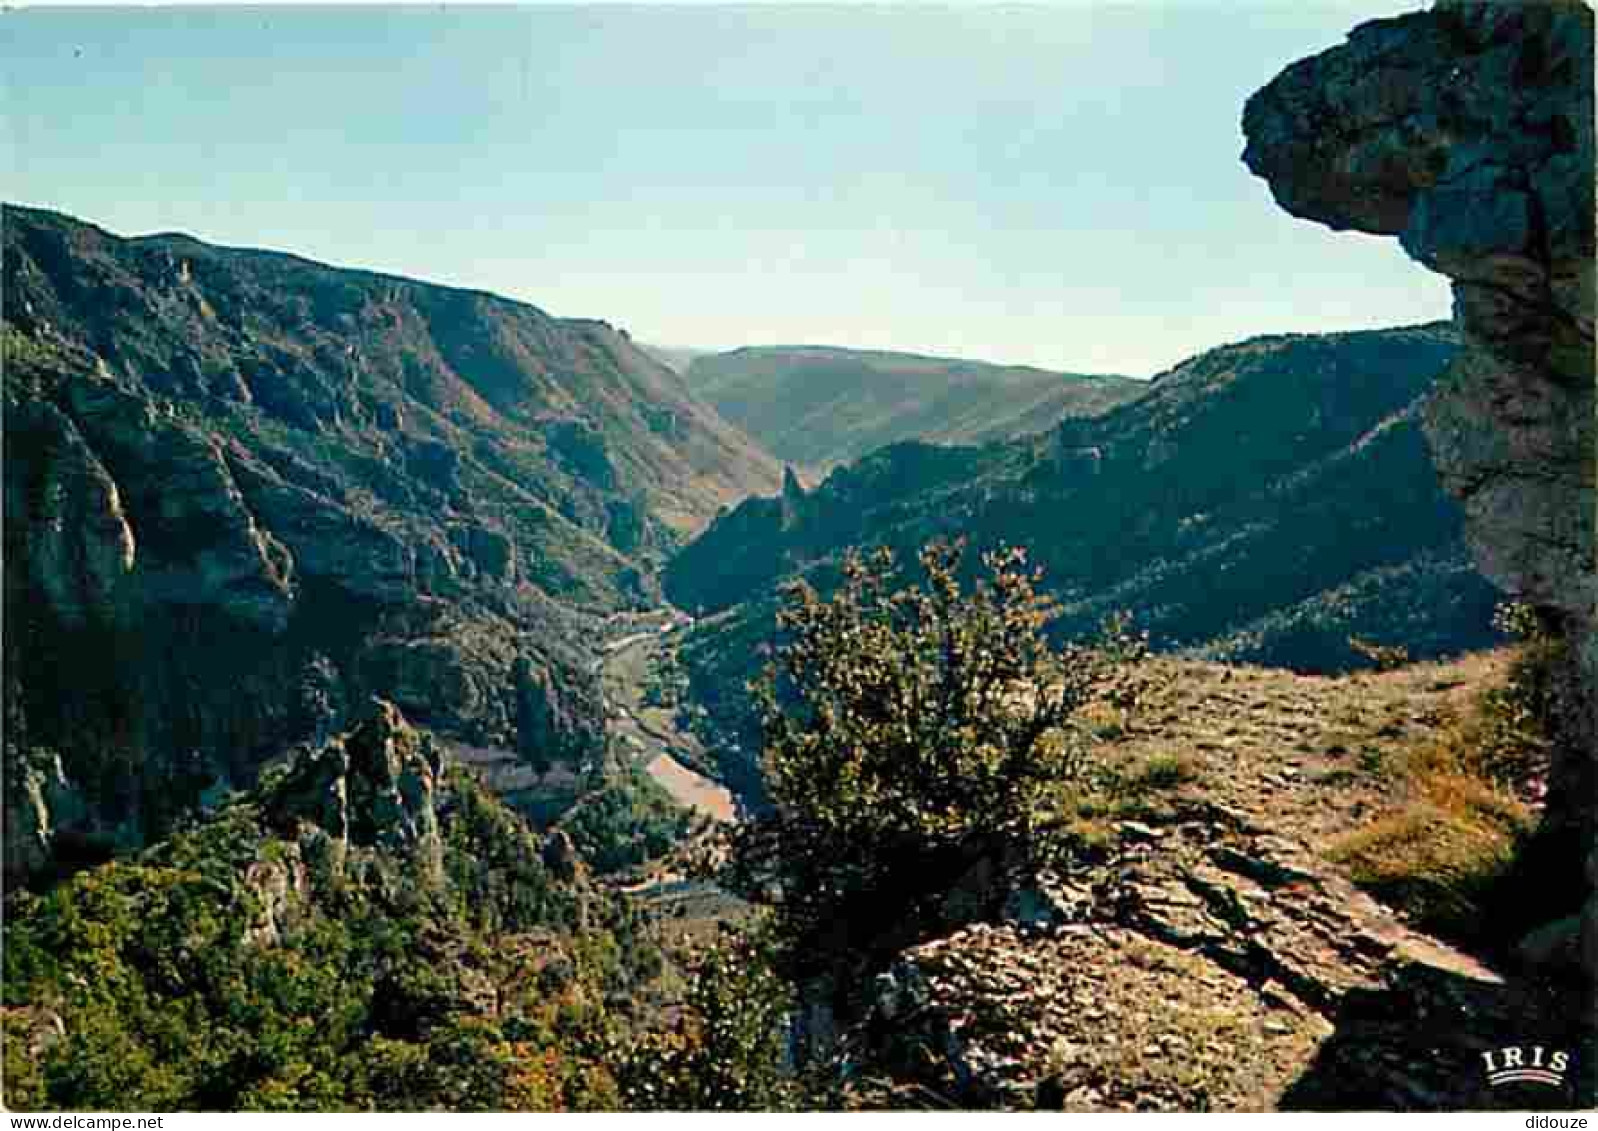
(244,492)
(1467,132)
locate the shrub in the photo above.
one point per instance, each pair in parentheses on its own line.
(1157,774)
(1513,725)
(629,821)
(914,729)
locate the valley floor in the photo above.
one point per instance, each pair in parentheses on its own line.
(647,733)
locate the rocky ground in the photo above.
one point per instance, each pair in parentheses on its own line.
(1211,956)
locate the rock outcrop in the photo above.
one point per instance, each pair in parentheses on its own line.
(1206,964)
(377,918)
(1212,944)
(39,800)
(1467,132)
(371,787)
(85,547)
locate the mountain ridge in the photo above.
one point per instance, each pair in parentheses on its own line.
(1262,502)
(820,405)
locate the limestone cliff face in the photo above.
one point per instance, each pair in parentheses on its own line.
(244,492)
(84,546)
(1467,132)
(374,790)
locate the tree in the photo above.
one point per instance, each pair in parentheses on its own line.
(912,731)
(728,1048)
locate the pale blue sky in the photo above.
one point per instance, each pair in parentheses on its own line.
(1052,185)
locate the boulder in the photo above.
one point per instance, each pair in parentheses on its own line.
(1467,132)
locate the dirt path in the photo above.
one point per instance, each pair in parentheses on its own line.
(1297,752)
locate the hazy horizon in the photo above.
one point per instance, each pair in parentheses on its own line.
(1057,187)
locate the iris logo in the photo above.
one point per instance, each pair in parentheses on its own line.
(1516,1065)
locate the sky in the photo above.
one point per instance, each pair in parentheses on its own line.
(1052,185)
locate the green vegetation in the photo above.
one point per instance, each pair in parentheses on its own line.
(1441,856)
(1142,790)
(726,1051)
(229,968)
(24,352)
(819,405)
(628,821)
(914,730)
(663,683)
(1158,773)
